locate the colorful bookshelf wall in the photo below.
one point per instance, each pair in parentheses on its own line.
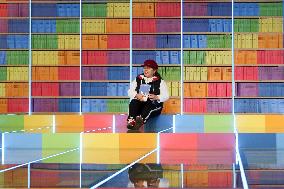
(83,63)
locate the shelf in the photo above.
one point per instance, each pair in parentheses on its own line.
(105,97)
(14,81)
(258,32)
(258,17)
(256,65)
(217,97)
(109,33)
(206,81)
(57,81)
(160,49)
(55,49)
(56,65)
(5,65)
(207,65)
(104,49)
(15,97)
(87,17)
(256,97)
(14,49)
(104,65)
(11,17)
(14,33)
(55,97)
(206,113)
(110,81)
(259,81)
(207,49)
(160,65)
(258,49)
(207,16)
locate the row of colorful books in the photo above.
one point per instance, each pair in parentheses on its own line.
(259,105)
(208,74)
(207,90)
(260,89)
(258,25)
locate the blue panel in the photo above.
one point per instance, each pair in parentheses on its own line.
(189,124)
(22,148)
(257,141)
(159,123)
(280,149)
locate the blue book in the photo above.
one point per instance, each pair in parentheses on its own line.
(2,57)
(11,41)
(193,41)
(174,57)
(186,41)
(219,25)
(60,10)
(75,105)
(202,41)
(212,25)
(281,106)
(165,57)
(120,89)
(75,10)
(94,105)
(237,9)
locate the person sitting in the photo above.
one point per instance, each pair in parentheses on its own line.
(147,94)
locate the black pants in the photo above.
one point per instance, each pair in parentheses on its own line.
(146,109)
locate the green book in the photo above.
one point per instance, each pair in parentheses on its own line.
(192,57)
(3,73)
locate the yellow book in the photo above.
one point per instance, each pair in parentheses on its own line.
(228,59)
(55,60)
(218,58)
(61,42)
(186,73)
(196,76)
(254,41)
(192,70)
(34,57)
(9,73)
(239,42)
(126,10)
(175,89)
(207,57)
(236,42)
(277,24)
(110,10)
(116,10)
(213,57)
(269,25)
(84,27)
(203,74)
(2,89)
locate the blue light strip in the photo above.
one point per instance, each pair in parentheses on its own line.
(80,23)
(30,57)
(81,157)
(182,173)
(3,148)
(181,58)
(120,171)
(29,175)
(243,174)
(113,123)
(130,40)
(174,123)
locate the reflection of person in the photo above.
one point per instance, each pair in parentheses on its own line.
(146,175)
(147,94)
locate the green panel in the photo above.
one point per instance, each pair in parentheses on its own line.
(10,123)
(61,142)
(218,124)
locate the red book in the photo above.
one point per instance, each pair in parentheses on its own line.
(212,87)
(239,73)
(3,10)
(228,89)
(85,55)
(221,89)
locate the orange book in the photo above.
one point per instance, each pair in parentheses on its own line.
(62,57)
(90,42)
(227,74)
(103,41)
(280,40)
(239,57)
(261,41)
(186,87)
(251,57)
(73,57)
(215,73)
(34,73)
(143,9)
(3,105)
(53,73)
(172,106)
(198,89)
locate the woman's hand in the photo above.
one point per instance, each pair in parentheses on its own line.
(139,97)
(153,97)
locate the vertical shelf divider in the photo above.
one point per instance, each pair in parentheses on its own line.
(30,57)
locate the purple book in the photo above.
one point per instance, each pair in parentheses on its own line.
(247,89)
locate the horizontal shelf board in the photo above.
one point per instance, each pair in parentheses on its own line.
(207,65)
(26,81)
(55,97)
(66,65)
(14,97)
(5,65)
(104,65)
(256,65)
(105,97)
(219,97)
(206,81)
(259,81)
(256,97)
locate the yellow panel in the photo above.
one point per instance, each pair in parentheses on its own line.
(38,123)
(69,123)
(135,145)
(274,123)
(100,148)
(250,123)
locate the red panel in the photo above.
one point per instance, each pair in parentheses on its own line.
(220,179)
(178,148)
(98,123)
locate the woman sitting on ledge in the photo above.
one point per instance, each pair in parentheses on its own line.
(147,94)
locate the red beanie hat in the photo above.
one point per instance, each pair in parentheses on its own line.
(151,64)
